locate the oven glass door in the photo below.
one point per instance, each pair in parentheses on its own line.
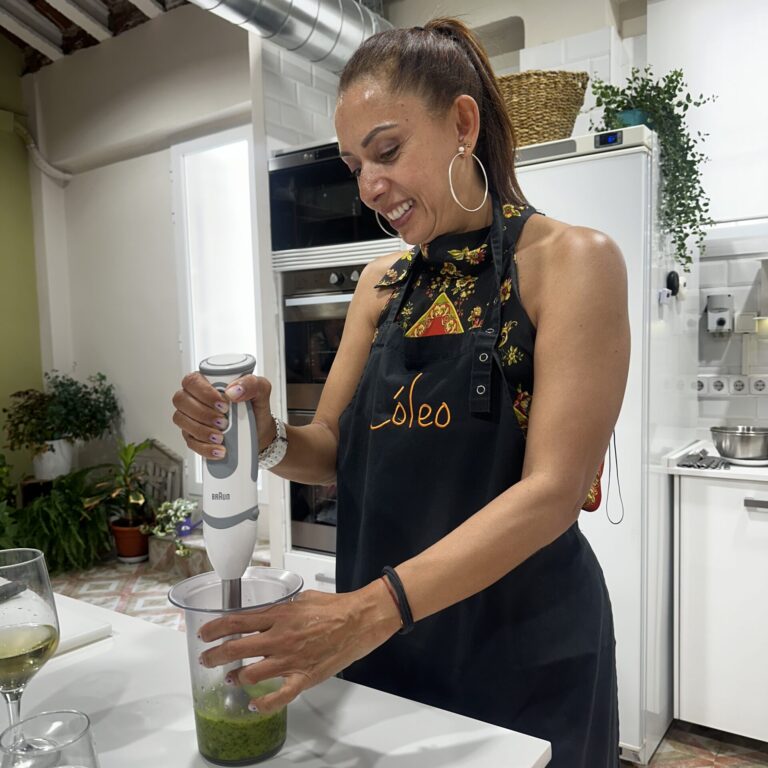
(318,204)
(313,507)
(313,328)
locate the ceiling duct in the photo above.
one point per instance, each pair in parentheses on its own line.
(327,32)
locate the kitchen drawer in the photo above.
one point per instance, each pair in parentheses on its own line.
(318,571)
(723,605)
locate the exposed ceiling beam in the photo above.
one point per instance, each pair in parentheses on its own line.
(89,15)
(20,19)
(149,8)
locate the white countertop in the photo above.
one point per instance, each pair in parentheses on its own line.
(736,472)
(135,687)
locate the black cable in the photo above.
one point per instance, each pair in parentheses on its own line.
(618,481)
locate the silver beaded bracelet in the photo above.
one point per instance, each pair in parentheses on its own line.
(274,453)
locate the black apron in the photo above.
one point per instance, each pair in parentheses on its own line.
(429,438)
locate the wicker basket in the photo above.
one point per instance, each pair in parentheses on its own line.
(543,104)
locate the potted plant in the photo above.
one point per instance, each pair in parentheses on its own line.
(123,493)
(7,506)
(173,519)
(49,422)
(58,522)
(662,105)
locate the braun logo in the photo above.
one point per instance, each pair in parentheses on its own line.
(219,496)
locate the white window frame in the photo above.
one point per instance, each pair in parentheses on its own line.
(180,225)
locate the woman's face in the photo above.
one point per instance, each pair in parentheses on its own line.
(400,154)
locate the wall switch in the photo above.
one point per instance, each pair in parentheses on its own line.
(718,385)
(745,322)
(738,385)
(758,384)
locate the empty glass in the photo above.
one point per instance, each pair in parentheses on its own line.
(228,733)
(61,739)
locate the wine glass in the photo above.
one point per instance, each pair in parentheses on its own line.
(29,627)
(60,739)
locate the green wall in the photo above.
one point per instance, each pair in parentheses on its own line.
(20,365)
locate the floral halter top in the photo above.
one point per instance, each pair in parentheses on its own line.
(450,292)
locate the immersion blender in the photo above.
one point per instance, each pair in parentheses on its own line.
(230,497)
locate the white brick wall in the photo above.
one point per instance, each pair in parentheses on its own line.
(602,53)
(738,275)
(299,99)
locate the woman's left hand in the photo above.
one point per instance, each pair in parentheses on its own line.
(304,642)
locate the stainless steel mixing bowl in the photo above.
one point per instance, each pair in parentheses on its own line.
(741,442)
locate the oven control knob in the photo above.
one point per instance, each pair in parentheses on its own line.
(336,278)
(355,276)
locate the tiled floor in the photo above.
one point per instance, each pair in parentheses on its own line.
(139,591)
(132,589)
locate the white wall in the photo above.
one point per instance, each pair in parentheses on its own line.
(123,288)
(168,79)
(721,47)
(732,266)
(105,241)
(544,21)
(601,53)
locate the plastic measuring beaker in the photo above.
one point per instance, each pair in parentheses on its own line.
(228,733)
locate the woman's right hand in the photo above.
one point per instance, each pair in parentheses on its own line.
(202,411)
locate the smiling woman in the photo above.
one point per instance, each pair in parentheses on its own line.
(464,581)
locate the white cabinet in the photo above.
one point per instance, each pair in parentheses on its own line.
(722,600)
(318,571)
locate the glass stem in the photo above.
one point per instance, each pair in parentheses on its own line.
(13,700)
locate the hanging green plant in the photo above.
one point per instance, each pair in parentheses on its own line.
(662,105)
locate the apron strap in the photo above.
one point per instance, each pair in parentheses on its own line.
(485,337)
(397,303)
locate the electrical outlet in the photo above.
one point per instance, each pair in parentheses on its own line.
(738,385)
(718,385)
(758,384)
(702,384)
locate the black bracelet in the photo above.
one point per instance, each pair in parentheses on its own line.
(402,601)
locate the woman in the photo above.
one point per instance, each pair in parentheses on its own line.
(459,487)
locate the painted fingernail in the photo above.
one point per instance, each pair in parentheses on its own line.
(252,707)
(235,391)
(223,407)
(218,452)
(216,438)
(220,423)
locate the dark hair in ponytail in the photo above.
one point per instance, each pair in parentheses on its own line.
(440,61)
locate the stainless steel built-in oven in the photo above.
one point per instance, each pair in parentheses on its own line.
(315,303)
(314,201)
(322,236)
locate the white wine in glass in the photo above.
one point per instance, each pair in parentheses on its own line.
(29,626)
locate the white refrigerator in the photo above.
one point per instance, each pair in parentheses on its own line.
(609,182)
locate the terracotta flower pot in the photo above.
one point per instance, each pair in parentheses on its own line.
(132,545)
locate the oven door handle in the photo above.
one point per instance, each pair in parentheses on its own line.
(323,306)
(321,298)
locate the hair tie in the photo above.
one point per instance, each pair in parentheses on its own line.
(406,617)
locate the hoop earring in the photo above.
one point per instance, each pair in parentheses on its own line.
(460,153)
(381,227)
